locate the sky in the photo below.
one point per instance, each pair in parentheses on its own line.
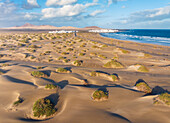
(115,14)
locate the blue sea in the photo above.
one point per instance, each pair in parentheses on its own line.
(151,36)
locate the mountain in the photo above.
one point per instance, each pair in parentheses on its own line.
(92,27)
(49,27)
(27,25)
(44,27)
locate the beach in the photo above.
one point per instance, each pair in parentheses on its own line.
(91,62)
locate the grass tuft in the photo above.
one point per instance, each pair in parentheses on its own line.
(100,95)
(43,107)
(50,86)
(143,86)
(113,64)
(38,74)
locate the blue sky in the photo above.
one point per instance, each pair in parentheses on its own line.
(122,14)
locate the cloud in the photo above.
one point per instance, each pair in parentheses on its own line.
(60,2)
(149,15)
(96,12)
(152,18)
(30,4)
(32,16)
(65,11)
(7,8)
(114,1)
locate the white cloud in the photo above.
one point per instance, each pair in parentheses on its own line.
(161,11)
(33,2)
(30,4)
(97,12)
(65,11)
(59,2)
(155,18)
(31,16)
(114,1)
(7,8)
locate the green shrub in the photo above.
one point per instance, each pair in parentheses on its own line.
(142,68)
(93,73)
(66,60)
(50,86)
(102,56)
(53,37)
(32,57)
(31,50)
(33,46)
(38,74)
(49,60)
(78,62)
(61,58)
(62,70)
(94,46)
(165,97)
(147,55)
(43,107)
(143,86)
(39,38)
(100,95)
(104,45)
(93,54)
(113,64)
(24,41)
(69,49)
(64,53)
(114,77)
(39,67)
(47,51)
(42,54)
(21,45)
(5,65)
(81,54)
(123,51)
(19,101)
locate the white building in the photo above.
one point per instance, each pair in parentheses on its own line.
(62,31)
(103,30)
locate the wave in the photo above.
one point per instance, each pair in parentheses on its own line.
(138,38)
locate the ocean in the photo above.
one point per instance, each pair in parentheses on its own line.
(151,36)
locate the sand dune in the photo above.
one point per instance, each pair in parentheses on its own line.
(72,97)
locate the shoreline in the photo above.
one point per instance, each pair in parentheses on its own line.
(139,41)
(134,41)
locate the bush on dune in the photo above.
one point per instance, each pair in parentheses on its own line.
(62,70)
(143,86)
(38,74)
(100,95)
(163,98)
(19,101)
(43,107)
(50,86)
(113,64)
(142,68)
(78,62)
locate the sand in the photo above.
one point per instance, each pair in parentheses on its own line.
(73,99)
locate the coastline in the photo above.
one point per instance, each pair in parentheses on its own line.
(157,37)
(135,42)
